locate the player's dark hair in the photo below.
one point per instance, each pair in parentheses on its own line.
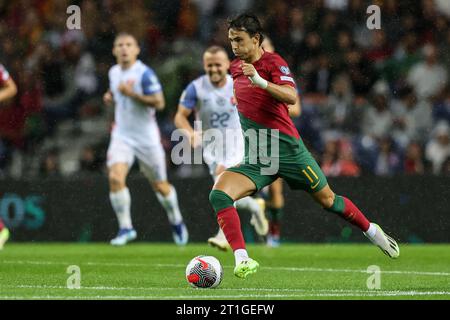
(248,23)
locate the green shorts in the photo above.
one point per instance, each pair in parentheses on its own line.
(299,169)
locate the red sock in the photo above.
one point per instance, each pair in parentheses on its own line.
(1,225)
(274,228)
(354,215)
(230,224)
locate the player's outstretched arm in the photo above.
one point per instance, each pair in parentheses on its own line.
(8,91)
(156,100)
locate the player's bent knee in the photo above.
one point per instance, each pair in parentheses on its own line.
(116,182)
(220,200)
(162,187)
(327,202)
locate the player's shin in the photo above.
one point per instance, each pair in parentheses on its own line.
(121,203)
(170,205)
(350,212)
(229,222)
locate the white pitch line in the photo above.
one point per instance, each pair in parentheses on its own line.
(191,297)
(293,269)
(319,292)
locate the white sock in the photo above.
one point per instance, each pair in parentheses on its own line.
(371,231)
(240,255)
(170,204)
(121,203)
(248,203)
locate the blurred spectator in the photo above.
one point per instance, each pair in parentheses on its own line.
(90,160)
(413,163)
(428,78)
(338,159)
(362,74)
(441,109)
(378,119)
(388,161)
(380,50)
(405,56)
(412,118)
(340,113)
(438,148)
(50,164)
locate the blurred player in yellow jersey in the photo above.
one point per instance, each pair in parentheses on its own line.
(8,90)
(275,202)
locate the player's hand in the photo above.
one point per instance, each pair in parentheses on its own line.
(249,70)
(126,89)
(108,98)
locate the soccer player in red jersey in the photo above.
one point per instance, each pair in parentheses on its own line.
(264,87)
(8,90)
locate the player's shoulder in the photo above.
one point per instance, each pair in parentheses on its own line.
(273,57)
(114,69)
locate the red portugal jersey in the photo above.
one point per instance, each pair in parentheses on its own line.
(257,104)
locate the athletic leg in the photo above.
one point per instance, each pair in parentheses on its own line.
(346,209)
(275,211)
(152,163)
(229,187)
(121,202)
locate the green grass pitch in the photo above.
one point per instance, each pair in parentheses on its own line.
(157,271)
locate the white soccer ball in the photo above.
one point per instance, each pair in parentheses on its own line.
(204,272)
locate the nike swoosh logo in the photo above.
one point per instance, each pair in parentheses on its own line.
(204,264)
(315,186)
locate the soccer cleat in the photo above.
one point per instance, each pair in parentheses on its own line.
(219,241)
(4,236)
(246,267)
(273,241)
(180,234)
(123,237)
(388,245)
(259,220)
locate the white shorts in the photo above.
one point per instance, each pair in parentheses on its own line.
(152,159)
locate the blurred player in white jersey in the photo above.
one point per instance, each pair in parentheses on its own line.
(8,90)
(135,91)
(211,96)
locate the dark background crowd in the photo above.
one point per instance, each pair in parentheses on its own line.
(373,101)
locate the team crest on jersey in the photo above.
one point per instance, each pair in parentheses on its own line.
(221,101)
(285,70)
